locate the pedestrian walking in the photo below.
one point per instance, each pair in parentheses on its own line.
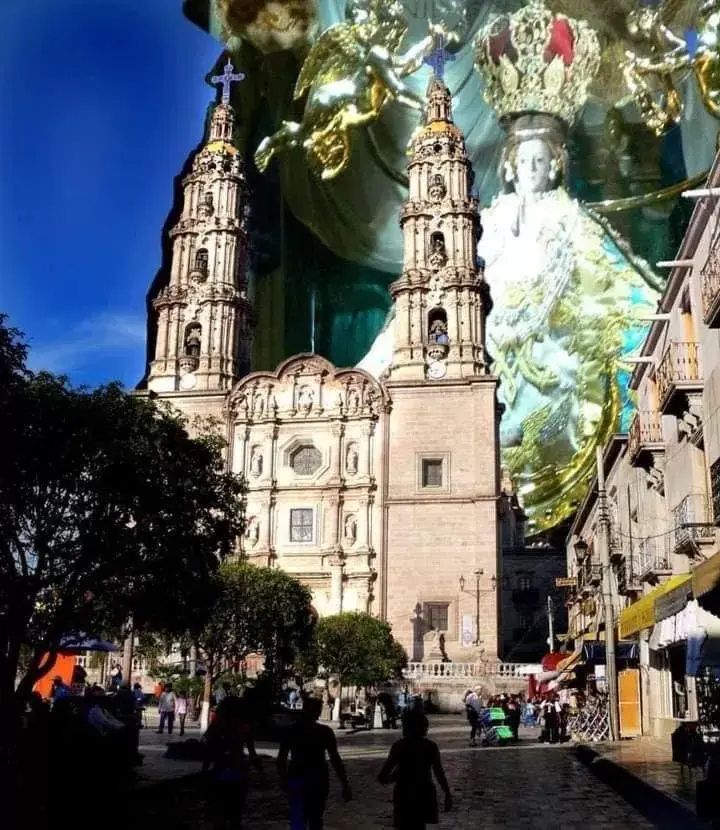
(473,710)
(166,708)
(410,765)
(305,775)
(226,740)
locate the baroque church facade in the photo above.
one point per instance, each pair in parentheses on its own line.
(380,495)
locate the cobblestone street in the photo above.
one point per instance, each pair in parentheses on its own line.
(517,787)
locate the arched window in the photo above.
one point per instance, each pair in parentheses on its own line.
(437,327)
(437,241)
(193,340)
(201,260)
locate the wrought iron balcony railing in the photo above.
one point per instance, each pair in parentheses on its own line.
(645,435)
(679,371)
(710,287)
(653,557)
(692,524)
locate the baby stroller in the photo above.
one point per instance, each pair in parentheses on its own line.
(493,728)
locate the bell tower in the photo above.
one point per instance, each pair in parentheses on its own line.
(204,318)
(443,480)
(441,299)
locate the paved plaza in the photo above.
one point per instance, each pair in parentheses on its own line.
(524,786)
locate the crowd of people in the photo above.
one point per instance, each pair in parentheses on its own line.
(302,765)
(549,713)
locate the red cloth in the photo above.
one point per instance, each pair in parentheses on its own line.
(501,44)
(550,661)
(562,42)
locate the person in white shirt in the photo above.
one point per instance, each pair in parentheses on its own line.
(166,708)
(181,709)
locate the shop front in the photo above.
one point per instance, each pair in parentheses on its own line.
(658,624)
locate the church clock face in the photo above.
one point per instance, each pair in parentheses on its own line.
(436,370)
(188,381)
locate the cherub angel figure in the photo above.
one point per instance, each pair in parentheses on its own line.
(653,80)
(351,73)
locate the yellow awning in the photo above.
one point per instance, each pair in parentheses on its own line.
(706,576)
(641,614)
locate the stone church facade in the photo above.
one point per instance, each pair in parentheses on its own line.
(380,495)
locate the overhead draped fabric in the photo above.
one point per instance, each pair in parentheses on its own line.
(356,215)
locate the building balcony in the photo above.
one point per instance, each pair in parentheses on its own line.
(589,577)
(679,375)
(653,558)
(628,575)
(693,526)
(710,287)
(645,438)
(617,549)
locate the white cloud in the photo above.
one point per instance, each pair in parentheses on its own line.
(83,344)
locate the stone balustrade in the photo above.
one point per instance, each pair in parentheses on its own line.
(437,670)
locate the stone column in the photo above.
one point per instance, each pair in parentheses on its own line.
(336,584)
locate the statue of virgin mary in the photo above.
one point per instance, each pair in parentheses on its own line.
(569,297)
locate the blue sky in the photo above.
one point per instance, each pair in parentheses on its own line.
(100,103)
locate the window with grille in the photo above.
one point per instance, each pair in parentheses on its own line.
(524,583)
(432,472)
(201,261)
(527,620)
(301,525)
(436,615)
(306,460)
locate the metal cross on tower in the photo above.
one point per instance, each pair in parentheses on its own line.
(438,58)
(226,79)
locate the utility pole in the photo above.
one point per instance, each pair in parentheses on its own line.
(608,598)
(551,624)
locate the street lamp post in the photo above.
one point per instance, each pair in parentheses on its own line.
(477,573)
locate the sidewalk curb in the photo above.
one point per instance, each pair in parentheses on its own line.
(654,803)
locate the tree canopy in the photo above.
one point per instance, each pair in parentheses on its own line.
(107,509)
(358,648)
(257,610)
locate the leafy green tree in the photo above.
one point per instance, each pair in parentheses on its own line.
(108,509)
(257,610)
(358,649)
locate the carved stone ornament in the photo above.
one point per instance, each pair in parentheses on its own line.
(256,462)
(350,530)
(258,405)
(306,399)
(437,190)
(353,400)
(252,531)
(351,460)
(240,404)
(197,291)
(436,293)
(438,257)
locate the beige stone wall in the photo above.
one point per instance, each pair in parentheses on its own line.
(308,403)
(435,536)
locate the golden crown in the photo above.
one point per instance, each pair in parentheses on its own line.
(537,61)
